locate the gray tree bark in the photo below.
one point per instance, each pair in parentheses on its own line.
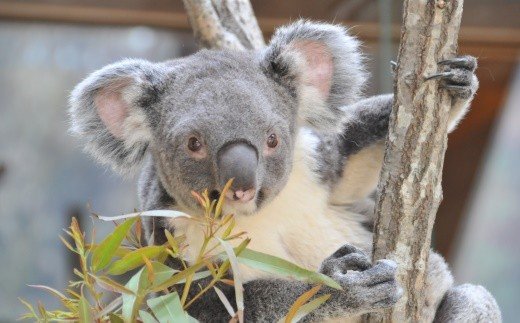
(224,24)
(409,191)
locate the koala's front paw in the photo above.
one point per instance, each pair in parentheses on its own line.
(458,76)
(365,287)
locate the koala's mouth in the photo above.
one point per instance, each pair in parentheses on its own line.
(239,208)
(214,195)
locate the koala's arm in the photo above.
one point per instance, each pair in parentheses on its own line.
(361,143)
(366,288)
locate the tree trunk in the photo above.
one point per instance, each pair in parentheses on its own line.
(409,191)
(224,24)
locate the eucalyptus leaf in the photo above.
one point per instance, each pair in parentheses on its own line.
(110,285)
(147,317)
(300,301)
(307,308)
(139,285)
(151,213)
(136,285)
(181,275)
(110,308)
(196,276)
(279,266)
(134,259)
(29,307)
(114,318)
(239,289)
(168,308)
(104,252)
(162,272)
(84,310)
(53,291)
(224,301)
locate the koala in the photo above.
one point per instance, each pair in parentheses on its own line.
(290,124)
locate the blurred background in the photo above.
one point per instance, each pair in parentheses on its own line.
(48,46)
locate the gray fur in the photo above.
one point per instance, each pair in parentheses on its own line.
(468,303)
(349,74)
(86,123)
(224,97)
(366,123)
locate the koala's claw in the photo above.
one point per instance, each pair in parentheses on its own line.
(393,66)
(439,75)
(466,62)
(458,76)
(346,258)
(370,287)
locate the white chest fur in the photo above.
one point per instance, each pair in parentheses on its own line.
(298,225)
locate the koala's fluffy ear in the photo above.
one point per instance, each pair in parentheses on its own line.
(321,65)
(111,110)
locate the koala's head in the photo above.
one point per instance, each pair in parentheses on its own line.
(217,115)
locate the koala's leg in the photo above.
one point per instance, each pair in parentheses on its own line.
(447,303)
(468,303)
(438,281)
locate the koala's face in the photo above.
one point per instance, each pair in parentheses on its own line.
(222,117)
(218,115)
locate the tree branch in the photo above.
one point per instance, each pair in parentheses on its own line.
(221,24)
(409,191)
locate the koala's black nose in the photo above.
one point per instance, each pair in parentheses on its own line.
(239,160)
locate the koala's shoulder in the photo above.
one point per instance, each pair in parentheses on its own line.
(321,152)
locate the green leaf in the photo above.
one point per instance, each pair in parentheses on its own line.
(110,285)
(171,241)
(146,317)
(229,228)
(134,259)
(279,266)
(239,289)
(68,245)
(218,209)
(51,290)
(110,308)
(162,272)
(84,311)
(140,285)
(300,302)
(151,213)
(64,300)
(136,285)
(178,277)
(104,252)
(168,308)
(225,301)
(307,308)
(32,313)
(114,318)
(196,276)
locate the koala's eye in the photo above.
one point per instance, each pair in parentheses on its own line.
(272,141)
(194,144)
